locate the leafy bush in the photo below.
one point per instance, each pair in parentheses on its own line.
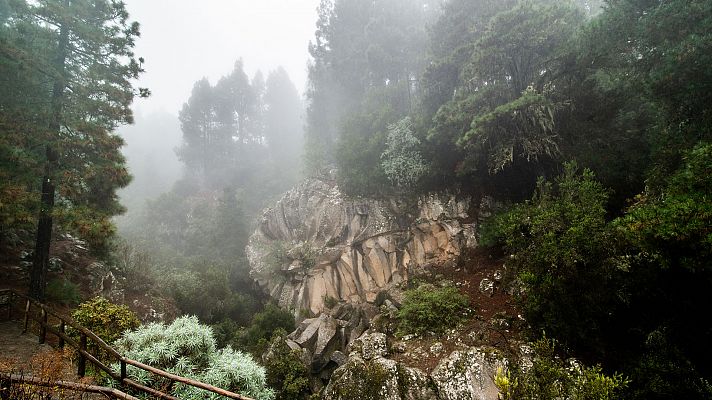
(550,377)
(430,309)
(401,160)
(561,249)
(64,292)
(330,301)
(674,227)
(107,320)
(285,371)
(264,325)
(188,348)
(206,291)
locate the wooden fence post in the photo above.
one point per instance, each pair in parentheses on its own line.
(123,370)
(11,300)
(43,326)
(63,330)
(27,317)
(82,361)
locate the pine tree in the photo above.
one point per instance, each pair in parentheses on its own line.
(75,64)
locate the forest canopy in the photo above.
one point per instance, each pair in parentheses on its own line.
(586,124)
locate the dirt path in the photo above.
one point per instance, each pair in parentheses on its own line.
(16,348)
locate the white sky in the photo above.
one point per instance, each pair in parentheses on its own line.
(185,40)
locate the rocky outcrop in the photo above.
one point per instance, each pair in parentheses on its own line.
(468,375)
(324,340)
(368,375)
(315,244)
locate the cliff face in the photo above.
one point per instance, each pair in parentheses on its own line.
(315,244)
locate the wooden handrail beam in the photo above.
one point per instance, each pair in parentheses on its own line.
(187,381)
(115,393)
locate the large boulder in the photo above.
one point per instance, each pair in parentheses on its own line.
(468,374)
(325,340)
(316,244)
(378,378)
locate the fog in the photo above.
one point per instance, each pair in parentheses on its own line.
(184,41)
(486,172)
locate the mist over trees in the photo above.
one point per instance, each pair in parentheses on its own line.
(586,122)
(239,149)
(150,152)
(496,98)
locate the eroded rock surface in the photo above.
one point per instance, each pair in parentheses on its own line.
(368,375)
(468,375)
(315,244)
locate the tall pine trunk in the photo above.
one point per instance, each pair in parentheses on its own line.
(40,262)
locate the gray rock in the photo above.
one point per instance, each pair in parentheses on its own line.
(468,375)
(487,287)
(373,345)
(339,358)
(316,243)
(497,276)
(436,348)
(378,379)
(328,338)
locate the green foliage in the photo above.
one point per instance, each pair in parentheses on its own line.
(676,227)
(305,253)
(206,291)
(187,348)
(107,320)
(504,113)
(429,309)
(401,160)
(645,273)
(330,302)
(365,58)
(550,377)
(286,372)
(560,247)
(264,325)
(72,69)
(362,140)
(664,371)
(63,291)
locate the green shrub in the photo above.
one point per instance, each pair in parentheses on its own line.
(561,249)
(107,320)
(330,301)
(401,160)
(188,348)
(63,292)
(264,325)
(550,377)
(430,309)
(206,291)
(285,371)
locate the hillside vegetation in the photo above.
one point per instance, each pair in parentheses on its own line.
(580,131)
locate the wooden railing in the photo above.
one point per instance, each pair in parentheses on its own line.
(59,330)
